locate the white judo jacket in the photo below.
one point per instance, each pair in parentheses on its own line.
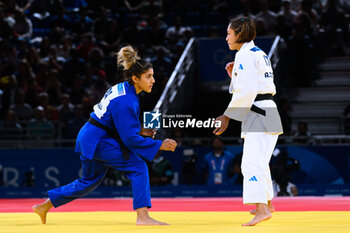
(252,74)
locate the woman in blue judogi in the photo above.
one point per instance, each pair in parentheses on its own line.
(111,139)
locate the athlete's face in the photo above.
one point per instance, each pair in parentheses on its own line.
(231,39)
(145,82)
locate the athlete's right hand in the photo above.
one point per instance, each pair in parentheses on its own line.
(168,144)
(229,67)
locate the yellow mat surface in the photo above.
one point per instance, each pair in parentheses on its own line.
(218,222)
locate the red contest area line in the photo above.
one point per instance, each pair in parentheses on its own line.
(184,204)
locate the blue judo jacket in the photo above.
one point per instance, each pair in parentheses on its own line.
(119,108)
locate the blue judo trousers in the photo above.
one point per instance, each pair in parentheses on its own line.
(119,108)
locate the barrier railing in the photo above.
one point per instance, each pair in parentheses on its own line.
(174,87)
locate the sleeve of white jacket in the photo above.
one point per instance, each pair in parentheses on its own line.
(245,88)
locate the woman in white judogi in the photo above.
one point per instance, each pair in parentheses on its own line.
(252,89)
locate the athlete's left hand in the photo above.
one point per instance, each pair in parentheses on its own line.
(224,124)
(148,132)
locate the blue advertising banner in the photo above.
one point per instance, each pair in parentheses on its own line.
(323,170)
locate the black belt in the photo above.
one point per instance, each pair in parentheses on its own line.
(114,134)
(259,97)
(263,97)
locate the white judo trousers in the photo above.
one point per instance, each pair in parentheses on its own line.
(257,151)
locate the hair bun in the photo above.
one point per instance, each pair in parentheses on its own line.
(127,56)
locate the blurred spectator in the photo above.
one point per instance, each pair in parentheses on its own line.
(303,135)
(22,49)
(115,178)
(24,75)
(87,44)
(75,124)
(61,20)
(288,13)
(266,17)
(161,171)
(346,115)
(74,3)
(101,24)
(282,27)
(291,190)
(65,47)
(285,20)
(132,34)
(50,111)
(301,54)
(83,22)
(10,128)
(32,92)
(33,59)
(177,32)
(66,113)
(40,7)
(96,58)
(155,34)
(53,60)
(53,88)
(44,47)
(281,167)
(7,58)
(1,176)
(77,92)
(100,86)
(161,61)
(178,135)
(147,8)
(189,170)
(237,176)
(6,29)
(39,127)
(333,29)
(29,178)
(72,67)
(246,10)
(306,8)
(223,7)
(88,104)
(261,29)
(112,39)
(284,111)
(23,26)
(8,85)
(22,110)
(65,109)
(218,163)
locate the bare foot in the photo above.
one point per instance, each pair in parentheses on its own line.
(271,207)
(149,222)
(42,209)
(263,213)
(143,218)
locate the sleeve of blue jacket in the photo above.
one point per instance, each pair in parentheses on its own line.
(126,120)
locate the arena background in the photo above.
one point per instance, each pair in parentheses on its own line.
(57,60)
